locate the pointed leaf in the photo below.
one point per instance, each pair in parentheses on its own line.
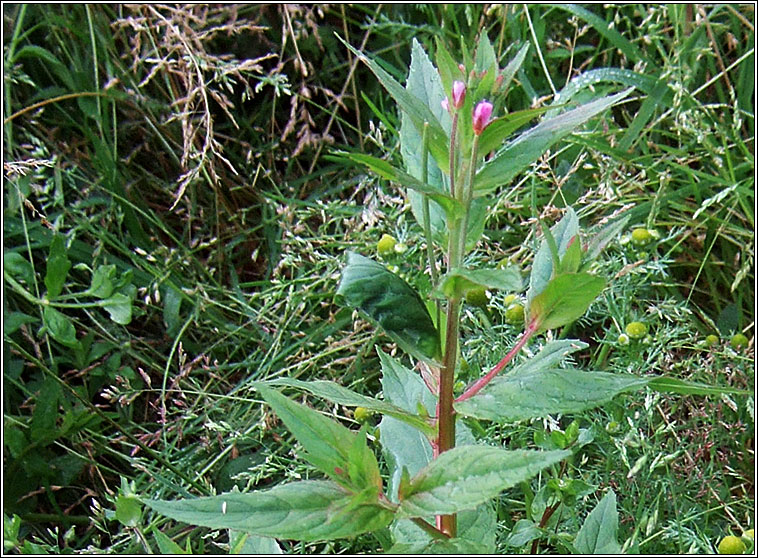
(542,268)
(362,466)
(392,303)
(336,393)
(513,66)
(415,108)
(675,385)
(58,265)
(529,146)
(101,285)
(326,442)
(605,236)
(538,393)
(564,299)
(466,476)
(302,511)
(598,534)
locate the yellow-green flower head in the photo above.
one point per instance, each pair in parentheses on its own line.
(731,545)
(738,341)
(636,330)
(386,244)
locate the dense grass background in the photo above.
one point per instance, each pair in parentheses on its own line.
(190,148)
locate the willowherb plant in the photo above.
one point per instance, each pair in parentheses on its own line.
(442,481)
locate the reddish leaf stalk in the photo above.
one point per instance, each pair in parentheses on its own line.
(486,379)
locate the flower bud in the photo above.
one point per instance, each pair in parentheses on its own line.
(459,94)
(482,114)
(445,104)
(462,68)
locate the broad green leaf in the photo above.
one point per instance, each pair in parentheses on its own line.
(675,385)
(466,476)
(60,327)
(392,303)
(529,146)
(18,266)
(477,526)
(101,285)
(448,67)
(523,532)
(326,442)
(302,511)
(14,320)
(598,533)
(416,109)
(403,445)
(452,208)
(58,265)
(336,393)
(604,236)
(247,544)
(128,510)
(542,268)
(119,308)
(564,299)
(457,282)
(541,392)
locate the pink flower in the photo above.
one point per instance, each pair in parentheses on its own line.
(445,104)
(482,114)
(459,94)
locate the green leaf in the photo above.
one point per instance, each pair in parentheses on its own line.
(452,208)
(529,146)
(457,282)
(119,308)
(411,105)
(392,303)
(552,353)
(598,534)
(404,446)
(675,385)
(43,423)
(523,532)
(542,268)
(438,219)
(336,393)
(605,236)
(564,299)
(448,67)
(302,511)
(512,67)
(572,258)
(19,267)
(166,545)
(326,442)
(101,285)
(477,526)
(172,303)
(128,510)
(466,476)
(500,128)
(247,544)
(362,467)
(14,320)
(537,393)
(58,265)
(60,327)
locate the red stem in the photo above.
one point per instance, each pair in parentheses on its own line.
(484,380)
